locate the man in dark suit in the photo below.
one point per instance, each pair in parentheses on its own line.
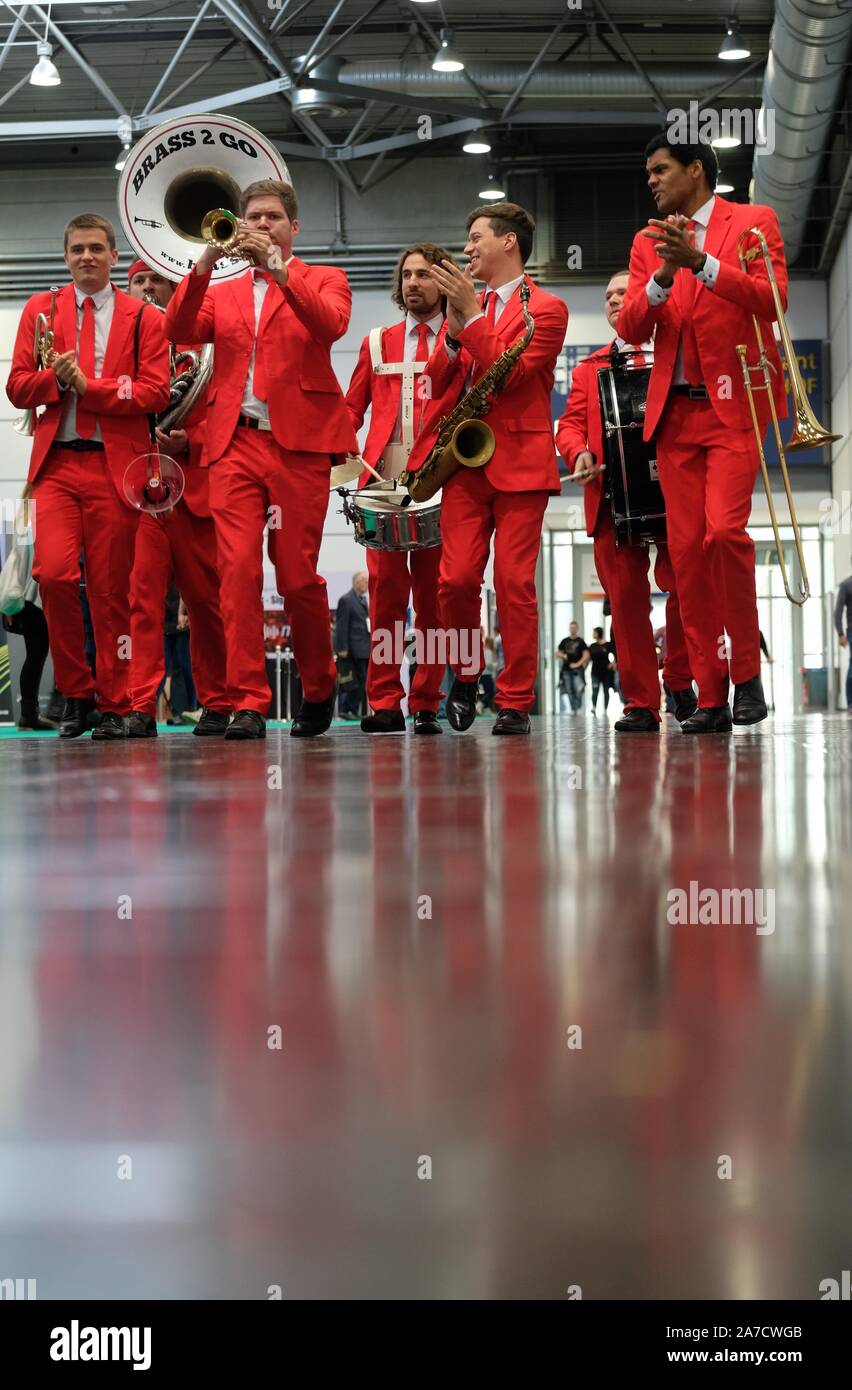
(352,643)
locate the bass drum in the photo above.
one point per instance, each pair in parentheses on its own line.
(631,484)
(384,518)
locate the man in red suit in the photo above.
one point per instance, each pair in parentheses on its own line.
(109,371)
(507,497)
(180,542)
(687,287)
(275,418)
(387,377)
(623,570)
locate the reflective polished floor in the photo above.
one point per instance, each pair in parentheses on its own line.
(514,1060)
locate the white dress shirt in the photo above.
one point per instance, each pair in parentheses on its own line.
(104,301)
(251,404)
(708,275)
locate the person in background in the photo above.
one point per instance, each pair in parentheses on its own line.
(573,656)
(843,624)
(601,668)
(352,643)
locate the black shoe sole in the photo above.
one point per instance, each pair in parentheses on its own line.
(108,738)
(209,733)
(510,733)
(240,737)
(634,729)
(428,731)
(309,733)
(383,733)
(753,719)
(699,732)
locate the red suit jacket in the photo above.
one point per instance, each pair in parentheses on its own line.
(306,407)
(722,316)
(524,458)
(580,428)
(383,392)
(121,400)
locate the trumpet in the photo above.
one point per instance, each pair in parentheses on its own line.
(43,355)
(220,228)
(808,433)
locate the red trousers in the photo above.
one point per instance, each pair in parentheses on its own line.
(184,544)
(707,473)
(391,582)
(623,572)
(471,511)
(253,474)
(78,509)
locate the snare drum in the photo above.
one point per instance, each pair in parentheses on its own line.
(381,522)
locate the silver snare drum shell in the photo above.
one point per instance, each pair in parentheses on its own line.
(379,525)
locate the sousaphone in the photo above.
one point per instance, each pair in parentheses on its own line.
(177,174)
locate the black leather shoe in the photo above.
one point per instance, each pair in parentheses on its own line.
(314,717)
(246,723)
(512,721)
(637,721)
(685,704)
(749,702)
(31,719)
(212,724)
(383,721)
(141,725)
(110,727)
(75,718)
(426,722)
(461,704)
(716,719)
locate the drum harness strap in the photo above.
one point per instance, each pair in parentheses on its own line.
(408,371)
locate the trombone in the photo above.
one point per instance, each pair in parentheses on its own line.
(808,433)
(43,355)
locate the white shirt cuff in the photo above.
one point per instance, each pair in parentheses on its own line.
(656,293)
(709,272)
(478,315)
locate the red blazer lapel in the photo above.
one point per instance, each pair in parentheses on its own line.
(124,311)
(65,320)
(242,289)
(393,342)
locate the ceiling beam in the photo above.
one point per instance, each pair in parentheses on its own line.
(176,57)
(537,60)
(662,104)
(341,38)
(12,35)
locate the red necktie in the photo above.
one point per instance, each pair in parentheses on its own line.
(259,386)
(86,421)
(491,308)
(421,347)
(689,287)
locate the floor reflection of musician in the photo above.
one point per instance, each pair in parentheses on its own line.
(687,285)
(387,380)
(183,542)
(275,415)
(623,570)
(507,497)
(90,431)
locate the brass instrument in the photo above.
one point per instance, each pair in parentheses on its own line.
(220,228)
(185,386)
(43,355)
(808,433)
(464,439)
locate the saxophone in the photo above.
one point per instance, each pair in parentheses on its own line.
(464,439)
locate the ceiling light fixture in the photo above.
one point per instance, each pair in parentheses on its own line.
(474,146)
(446,59)
(734,47)
(493,192)
(45,73)
(722,186)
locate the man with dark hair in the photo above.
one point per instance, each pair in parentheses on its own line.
(688,288)
(506,497)
(108,370)
(843,616)
(388,379)
(623,570)
(275,418)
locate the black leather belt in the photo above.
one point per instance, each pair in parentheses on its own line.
(695,393)
(251,424)
(80,446)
